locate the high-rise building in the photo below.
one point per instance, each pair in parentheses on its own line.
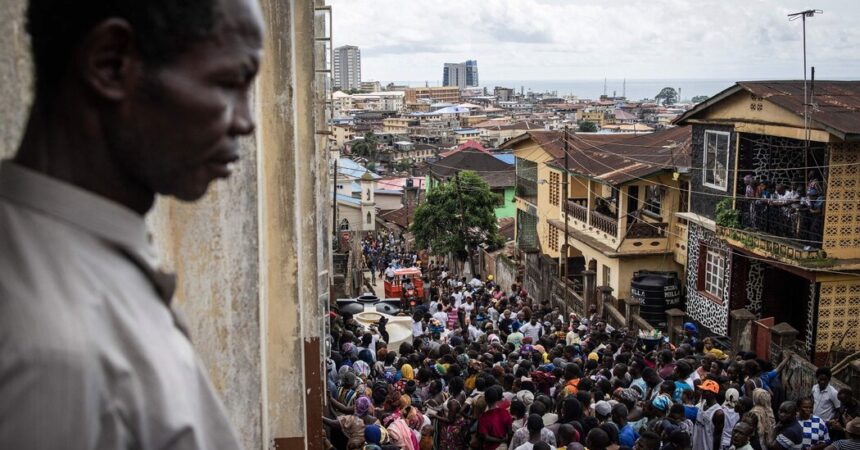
(472,73)
(454,74)
(462,75)
(346,67)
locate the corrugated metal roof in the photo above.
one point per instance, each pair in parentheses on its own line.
(494,171)
(617,159)
(837,103)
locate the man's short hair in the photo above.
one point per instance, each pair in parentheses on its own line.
(823,371)
(162,29)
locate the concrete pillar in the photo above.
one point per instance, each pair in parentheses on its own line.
(631,308)
(740,329)
(674,321)
(589,289)
(782,337)
(252,256)
(604,297)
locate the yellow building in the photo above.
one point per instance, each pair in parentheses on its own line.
(398,125)
(792,261)
(595,116)
(619,218)
(437,94)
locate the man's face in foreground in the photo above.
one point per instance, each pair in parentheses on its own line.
(178,129)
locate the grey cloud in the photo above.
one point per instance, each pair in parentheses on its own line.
(502,33)
(403,48)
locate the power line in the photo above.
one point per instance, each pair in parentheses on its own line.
(712,194)
(681,190)
(667,231)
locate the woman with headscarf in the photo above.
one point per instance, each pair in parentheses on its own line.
(346,392)
(400,433)
(374,437)
(361,369)
(763,411)
(406,374)
(353,425)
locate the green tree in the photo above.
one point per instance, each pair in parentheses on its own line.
(667,96)
(367,148)
(403,165)
(699,98)
(439,224)
(587,127)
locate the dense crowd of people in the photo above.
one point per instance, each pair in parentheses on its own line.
(490,367)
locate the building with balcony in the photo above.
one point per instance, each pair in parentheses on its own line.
(618,212)
(752,244)
(449,94)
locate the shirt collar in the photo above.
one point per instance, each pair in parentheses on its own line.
(107,220)
(78,207)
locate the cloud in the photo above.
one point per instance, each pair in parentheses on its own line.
(551,39)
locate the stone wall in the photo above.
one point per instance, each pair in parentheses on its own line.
(702,309)
(776,159)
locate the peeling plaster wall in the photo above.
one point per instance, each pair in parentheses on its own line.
(252,255)
(15,75)
(212,246)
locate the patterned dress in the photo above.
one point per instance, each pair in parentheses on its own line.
(814,432)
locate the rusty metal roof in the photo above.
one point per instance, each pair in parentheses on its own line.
(621,158)
(836,103)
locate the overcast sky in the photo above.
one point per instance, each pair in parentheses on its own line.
(574,39)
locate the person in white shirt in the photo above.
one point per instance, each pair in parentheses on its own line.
(389,273)
(824,395)
(474,332)
(458,298)
(532,329)
(475,282)
(493,313)
(469,306)
(441,316)
(417,326)
(572,337)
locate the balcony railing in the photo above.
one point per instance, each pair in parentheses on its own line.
(578,209)
(792,223)
(645,230)
(604,223)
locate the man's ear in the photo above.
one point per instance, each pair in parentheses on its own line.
(108,60)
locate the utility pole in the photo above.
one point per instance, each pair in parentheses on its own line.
(794,16)
(566,212)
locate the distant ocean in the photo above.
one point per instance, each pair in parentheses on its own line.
(593,89)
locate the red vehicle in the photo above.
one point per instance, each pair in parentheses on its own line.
(402,279)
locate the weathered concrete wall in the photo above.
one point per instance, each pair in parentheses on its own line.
(15,75)
(252,256)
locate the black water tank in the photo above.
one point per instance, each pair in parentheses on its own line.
(658,291)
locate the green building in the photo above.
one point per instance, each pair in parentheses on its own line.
(498,174)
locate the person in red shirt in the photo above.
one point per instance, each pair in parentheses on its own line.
(494,425)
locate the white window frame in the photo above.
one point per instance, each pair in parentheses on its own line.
(705,168)
(714,271)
